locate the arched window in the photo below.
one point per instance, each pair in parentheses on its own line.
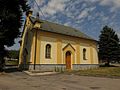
(48,51)
(84,54)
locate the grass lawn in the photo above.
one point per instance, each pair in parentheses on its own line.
(12,62)
(100,72)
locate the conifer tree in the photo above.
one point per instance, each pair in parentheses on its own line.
(108,45)
(10,23)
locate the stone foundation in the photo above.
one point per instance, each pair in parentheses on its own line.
(60,67)
(84,66)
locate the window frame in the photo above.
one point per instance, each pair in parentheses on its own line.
(48,51)
(84,53)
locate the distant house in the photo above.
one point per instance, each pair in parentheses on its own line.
(46,46)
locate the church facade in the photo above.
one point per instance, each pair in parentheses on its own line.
(46,46)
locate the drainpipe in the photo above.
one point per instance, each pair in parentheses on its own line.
(36,28)
(35,48)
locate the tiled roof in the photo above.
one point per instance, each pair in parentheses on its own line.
(61,29)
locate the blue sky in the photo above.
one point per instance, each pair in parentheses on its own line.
(88,16)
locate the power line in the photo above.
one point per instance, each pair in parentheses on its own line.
(42,14)
(39,8)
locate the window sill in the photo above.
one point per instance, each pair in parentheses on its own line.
(48,58)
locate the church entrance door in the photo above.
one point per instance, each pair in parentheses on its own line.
(68,60)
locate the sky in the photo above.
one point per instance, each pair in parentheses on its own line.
(88,16)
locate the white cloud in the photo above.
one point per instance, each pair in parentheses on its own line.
(91,1)
(84,5)
(110,2)
(106,2)
(40,2)
(34,6)
(91,17)
(33,2)
(67,23)
(54,6)
(102,17)
(118,34)
(85,13)
(79,21)
(105,18)
(94,0)
(115,4)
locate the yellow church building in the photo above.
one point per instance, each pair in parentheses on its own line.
(46,46)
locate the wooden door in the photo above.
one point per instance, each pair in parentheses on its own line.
(68,60)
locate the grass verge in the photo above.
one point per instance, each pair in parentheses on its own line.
(99,72)
(12,63)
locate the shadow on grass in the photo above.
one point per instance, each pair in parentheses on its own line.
(108,66)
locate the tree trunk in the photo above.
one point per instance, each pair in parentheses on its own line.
(2,54)
(107,63)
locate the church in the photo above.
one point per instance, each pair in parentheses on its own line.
(46,46)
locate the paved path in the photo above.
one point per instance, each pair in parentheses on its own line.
(21,81)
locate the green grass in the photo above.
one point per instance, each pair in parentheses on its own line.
(14,62)
(101,72)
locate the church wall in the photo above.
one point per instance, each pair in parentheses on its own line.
(95,57)
(29,45)
(58,42)
(26,42)
(88,57)
(77,43)
(52,42)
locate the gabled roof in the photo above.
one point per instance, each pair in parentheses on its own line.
(68,45)
(61,29)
